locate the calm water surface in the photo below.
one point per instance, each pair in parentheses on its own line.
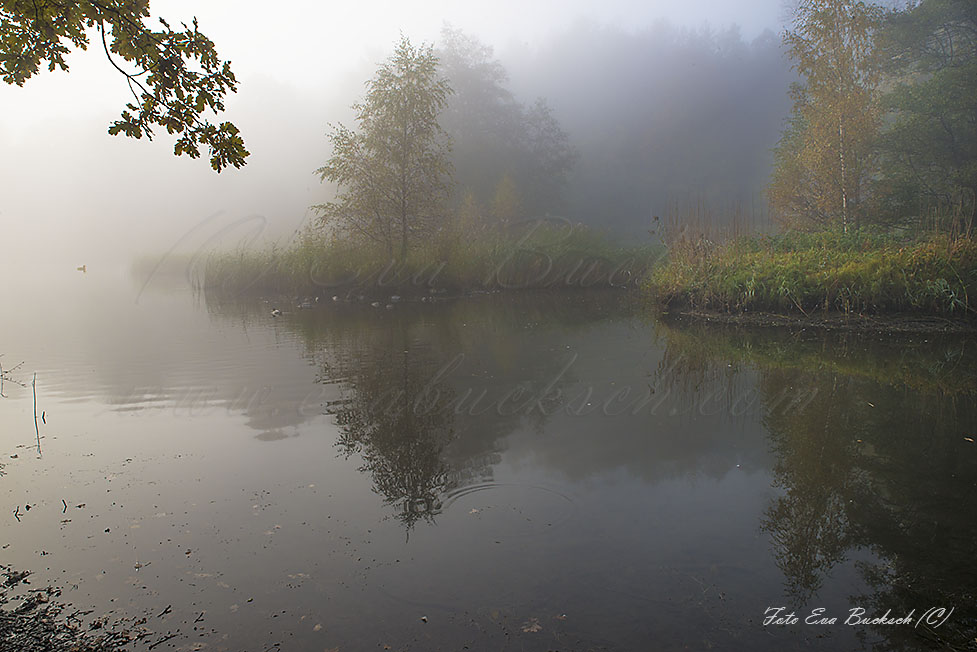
(494,473)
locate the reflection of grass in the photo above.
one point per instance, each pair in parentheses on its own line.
(852,273)
(944,366)
(539,255)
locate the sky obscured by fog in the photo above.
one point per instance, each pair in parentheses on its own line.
(70,194)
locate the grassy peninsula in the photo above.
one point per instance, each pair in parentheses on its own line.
(550,255)
(861,272)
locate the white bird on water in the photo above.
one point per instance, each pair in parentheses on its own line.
(276,313)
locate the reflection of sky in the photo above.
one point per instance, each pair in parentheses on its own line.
(93,342)
(166,354)
(175,425)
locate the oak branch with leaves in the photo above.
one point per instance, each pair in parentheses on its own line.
(175,75)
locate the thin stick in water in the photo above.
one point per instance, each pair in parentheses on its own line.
(37,431)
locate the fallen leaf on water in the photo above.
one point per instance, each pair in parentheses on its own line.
(532,626)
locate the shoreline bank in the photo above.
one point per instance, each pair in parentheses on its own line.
(889,323)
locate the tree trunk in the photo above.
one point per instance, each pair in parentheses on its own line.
(844,181)
(403,238)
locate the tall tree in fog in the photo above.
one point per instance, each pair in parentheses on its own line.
(393,172)
(551,157)
(498,140)
(930,146)
(826,154)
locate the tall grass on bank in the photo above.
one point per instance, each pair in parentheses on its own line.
(860,272)
(536,255)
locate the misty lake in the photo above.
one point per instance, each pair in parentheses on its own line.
(517,472)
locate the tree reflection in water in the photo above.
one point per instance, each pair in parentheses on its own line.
(399,425)
(411,385)
(875,466)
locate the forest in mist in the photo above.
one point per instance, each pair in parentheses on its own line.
(611,127)
(662,116)
(657,118)
(646,118)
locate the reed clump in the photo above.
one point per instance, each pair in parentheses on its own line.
(862,272)
(538,255)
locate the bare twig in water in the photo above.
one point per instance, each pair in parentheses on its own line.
(162,640)
(37,431)
(4,377)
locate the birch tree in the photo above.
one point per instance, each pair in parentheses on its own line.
(826,154)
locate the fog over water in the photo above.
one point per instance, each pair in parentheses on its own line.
(493,440)
(622,78)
